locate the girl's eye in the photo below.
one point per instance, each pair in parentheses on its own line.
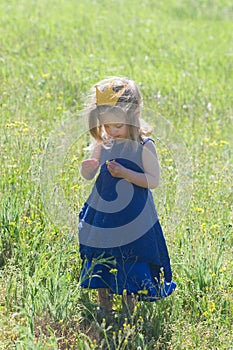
(118,126)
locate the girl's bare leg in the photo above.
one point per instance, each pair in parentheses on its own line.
(128,303)
(105,299)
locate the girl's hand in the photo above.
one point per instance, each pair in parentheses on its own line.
(89,168)
(149,178)
(90,164)
(116,169)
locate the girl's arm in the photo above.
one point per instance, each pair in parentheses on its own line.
(90,166)
(151,175)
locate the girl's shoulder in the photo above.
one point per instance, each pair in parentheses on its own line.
(149,148)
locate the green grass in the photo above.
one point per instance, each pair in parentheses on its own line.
(180,54)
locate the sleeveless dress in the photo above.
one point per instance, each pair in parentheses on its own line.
(122,245)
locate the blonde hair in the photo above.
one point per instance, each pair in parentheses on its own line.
(129,104)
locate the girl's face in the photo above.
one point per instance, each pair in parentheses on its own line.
(117,130)
(115,124)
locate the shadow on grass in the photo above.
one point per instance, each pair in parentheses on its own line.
(147,329)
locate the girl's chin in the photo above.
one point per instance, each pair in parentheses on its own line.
(118,138)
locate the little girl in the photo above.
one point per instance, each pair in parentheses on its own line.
(122,245)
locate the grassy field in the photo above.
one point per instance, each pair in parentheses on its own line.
(180,54)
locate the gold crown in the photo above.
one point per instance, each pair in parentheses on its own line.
(108,97)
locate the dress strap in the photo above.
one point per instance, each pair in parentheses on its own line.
(146,140)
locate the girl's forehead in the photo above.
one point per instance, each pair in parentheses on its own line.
(111,118)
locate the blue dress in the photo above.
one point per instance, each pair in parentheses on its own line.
(122,245)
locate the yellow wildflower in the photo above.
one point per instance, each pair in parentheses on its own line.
(143,291)
(113,271)
(25,130)
(213,144)
(212,306)
(12,223)
(141,318)
(223,142)
(199,210)
(223,269)
(45,75)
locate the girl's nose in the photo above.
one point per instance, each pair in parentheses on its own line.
(113,131)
